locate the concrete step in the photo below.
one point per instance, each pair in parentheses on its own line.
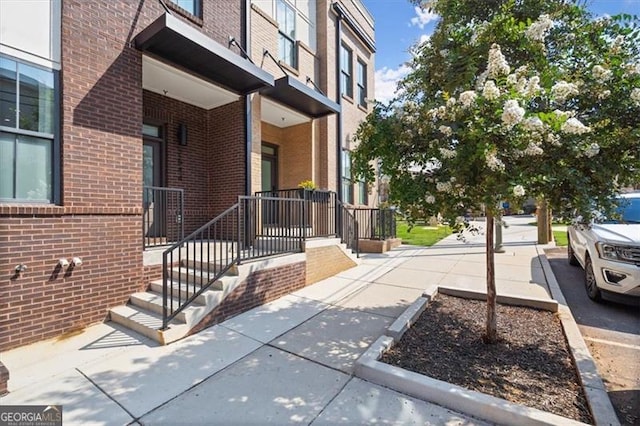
(152,301)
(192,276)
(147,323)
(209,266)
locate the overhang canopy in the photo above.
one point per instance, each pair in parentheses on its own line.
(293,93)
(177,42)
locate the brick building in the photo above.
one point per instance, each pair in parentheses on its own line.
(111,103)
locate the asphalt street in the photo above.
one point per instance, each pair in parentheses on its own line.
(612,333)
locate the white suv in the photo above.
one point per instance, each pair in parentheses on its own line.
(609,252)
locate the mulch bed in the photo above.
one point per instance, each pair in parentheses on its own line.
(530,365)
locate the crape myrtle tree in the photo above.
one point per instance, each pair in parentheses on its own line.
(507,100)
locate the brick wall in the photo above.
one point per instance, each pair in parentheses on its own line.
(45,300)
(259,288)
(100,217)
(325,262)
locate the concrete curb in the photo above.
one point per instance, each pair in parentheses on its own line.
(474,403)
(594,389)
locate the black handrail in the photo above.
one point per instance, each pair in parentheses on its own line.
(349,229)
(375,224)
(162,216)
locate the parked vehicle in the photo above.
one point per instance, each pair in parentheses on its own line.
(609,252)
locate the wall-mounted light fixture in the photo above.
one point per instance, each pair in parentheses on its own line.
(63,262)
(20,268)
(182,134)
(76,261)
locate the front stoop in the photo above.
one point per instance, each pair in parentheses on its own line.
(143,313)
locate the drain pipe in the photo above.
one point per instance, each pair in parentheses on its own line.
(339,18)
(246,43)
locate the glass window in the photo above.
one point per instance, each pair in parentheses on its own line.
(347,185)
(363,193)
(27,128)
(362,83)
(346,71)
(26,167)
(286,17)
(191,6)
(151,130)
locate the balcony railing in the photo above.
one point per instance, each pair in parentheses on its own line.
(162,216)
(375,224)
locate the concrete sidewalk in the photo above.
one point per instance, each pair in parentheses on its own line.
(289,361)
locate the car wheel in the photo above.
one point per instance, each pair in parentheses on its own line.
(573,260)
(590,281)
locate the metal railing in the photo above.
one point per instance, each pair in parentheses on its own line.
(319,214)
(194,264)
(375,224)
(348,226)
(162,216)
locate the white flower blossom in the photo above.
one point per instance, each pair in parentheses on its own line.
(539,29)
(635,96)
(617,44)
(521,85)
(575,127)
(443,186)
(603,94)
(512,79)
(533,124)
(512,113)
(493,162)
(497,65)
(482,78)
(533,87)
(445,130)
(468,98)
(430,199)
(554,139)
(448,153)
(490,90)
(564,114)
(601,73)
(631,69)
(518,191)
(592,150)
(451,102)
(533,149)
(563,90)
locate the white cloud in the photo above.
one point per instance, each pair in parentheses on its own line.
(423,17)
(423,38)
(387,82)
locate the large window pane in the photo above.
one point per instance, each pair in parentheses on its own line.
(191,6)
(7,154)
(33,168)
(8,93)
(36,99)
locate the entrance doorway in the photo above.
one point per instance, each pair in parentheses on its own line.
(152,176)
(269,183)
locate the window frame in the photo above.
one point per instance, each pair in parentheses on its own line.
(346,75)
(197,7)
(361,85)
(55,159)
(282,35)
(345,178)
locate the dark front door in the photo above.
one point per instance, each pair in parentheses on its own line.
(153,199)
(269,183)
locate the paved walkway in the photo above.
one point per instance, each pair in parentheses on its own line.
(289,361)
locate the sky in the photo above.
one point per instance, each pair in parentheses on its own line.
(399,25)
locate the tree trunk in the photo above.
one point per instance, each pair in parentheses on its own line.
(543,223)
(491,332)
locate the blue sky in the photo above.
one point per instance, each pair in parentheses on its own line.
(399,25)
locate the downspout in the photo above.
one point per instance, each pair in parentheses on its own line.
(247,99)
(339,99)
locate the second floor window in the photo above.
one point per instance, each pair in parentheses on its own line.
(286,17)
(347,184)
(346,71)
(362,83)
(194,7)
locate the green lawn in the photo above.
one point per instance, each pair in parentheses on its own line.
(560,238)
(421,235)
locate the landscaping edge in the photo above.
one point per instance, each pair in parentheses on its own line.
(474,403)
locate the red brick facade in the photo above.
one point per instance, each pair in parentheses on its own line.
(102,110)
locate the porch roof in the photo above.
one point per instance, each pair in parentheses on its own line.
(293,93)
(177,42)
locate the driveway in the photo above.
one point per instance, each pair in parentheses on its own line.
(612,333)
